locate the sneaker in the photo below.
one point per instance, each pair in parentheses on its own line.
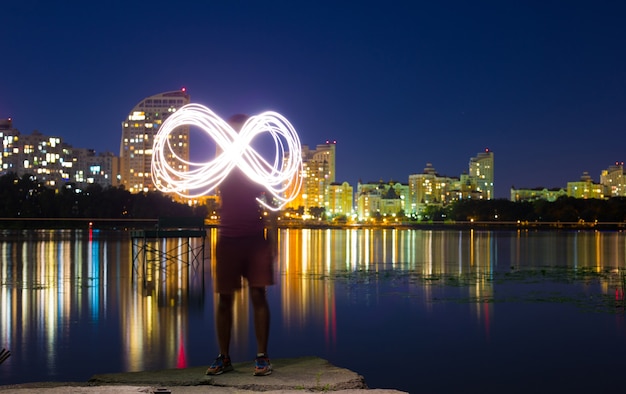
(220,365)
(262,366)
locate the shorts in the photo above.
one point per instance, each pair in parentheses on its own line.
(242,257)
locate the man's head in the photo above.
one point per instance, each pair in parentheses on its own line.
(237,121)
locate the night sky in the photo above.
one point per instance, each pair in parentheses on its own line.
(397,84)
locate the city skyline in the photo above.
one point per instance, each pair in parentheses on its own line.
(89,156)
(397,85)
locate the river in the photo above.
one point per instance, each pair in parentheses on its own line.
(428,311)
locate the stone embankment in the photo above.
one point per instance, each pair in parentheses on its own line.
(294,375)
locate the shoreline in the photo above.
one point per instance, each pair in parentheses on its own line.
(127,224)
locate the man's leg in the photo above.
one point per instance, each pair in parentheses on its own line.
(261,317)
(223,326)
(224,322)
(262,365)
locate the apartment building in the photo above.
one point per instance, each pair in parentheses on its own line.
(430,188)
(481,171)
(614,180)
(52,161)
(340,197)
(95,168)
(318,173)
(585,188)
(379,199)
(138,132)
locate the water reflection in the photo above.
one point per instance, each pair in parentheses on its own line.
(75,303)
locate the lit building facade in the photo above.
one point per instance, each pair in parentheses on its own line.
(318,173)
(538,193)
(52,161)
(614,180)
(9,138)
(585,188)
(92,168)
(428,188)
(340,198)
(138,132)
(380,199)
(47,158)
(481,172)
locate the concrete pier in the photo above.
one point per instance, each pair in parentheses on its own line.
(293,375)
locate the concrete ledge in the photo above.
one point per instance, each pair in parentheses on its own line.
(293,375)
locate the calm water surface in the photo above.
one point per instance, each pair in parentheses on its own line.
(417,310)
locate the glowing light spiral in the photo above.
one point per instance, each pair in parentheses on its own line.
(281,177)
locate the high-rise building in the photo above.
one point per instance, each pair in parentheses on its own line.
(138,132)
(318,173)
(481,174)
(8,137)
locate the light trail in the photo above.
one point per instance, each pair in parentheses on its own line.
(281,178)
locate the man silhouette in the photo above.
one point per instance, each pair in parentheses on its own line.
(242,251)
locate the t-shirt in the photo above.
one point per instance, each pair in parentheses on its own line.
(240,213)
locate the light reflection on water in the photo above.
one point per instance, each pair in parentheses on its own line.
(74,303)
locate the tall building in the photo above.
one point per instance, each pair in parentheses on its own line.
(481,174)
(138,132)
(318,173)
(8,137)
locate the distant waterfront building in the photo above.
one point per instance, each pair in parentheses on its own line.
(538,193)
(428,188)
(585,188)
(53,161)
(614,180)
(380,198)
(481,170)
(317,175)
(8,137)
(138,132)
(92,168)
(47,158)
(340,198)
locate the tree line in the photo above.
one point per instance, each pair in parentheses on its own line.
(564,209)
(27,197)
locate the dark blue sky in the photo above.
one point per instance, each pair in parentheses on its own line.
(398,84)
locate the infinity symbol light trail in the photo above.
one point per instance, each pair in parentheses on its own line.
(280,176)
